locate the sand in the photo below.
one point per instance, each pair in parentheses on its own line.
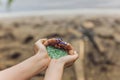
(18,35)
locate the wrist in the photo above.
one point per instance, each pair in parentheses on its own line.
(39,63)
(42,56)
(55,63)
(54,70)
(41,60)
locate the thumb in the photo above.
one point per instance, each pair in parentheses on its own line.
(70,58)
(39,46)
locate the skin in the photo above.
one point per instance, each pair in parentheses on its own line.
(56,66)
(40,62)
(30,67)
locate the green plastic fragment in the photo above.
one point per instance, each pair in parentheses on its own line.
(56,53)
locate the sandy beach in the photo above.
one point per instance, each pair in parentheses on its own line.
(100,29)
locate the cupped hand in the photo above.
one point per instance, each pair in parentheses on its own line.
(65,60)
(68,60)
(41,52)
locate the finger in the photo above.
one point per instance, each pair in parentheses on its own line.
(70,49)
(70,63)
(51,41)
(63,44)
(73,57)
(41,41)
(69,46)
(71,52)
(46,43)
(39,46)
(69,58)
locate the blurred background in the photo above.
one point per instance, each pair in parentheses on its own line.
(91,26)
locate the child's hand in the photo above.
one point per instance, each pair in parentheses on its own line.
(30,67)
(68,60)
(41,51)
(56,66)
(65,60)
